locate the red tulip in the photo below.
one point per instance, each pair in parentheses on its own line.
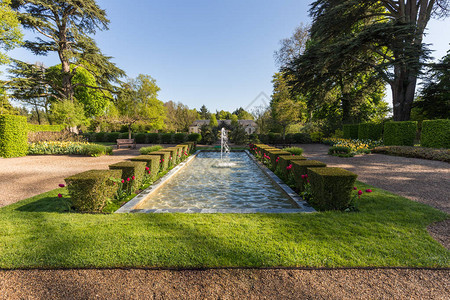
(61,185)
(368,191)
(132,177)
(360,192)
(59,196)
(114,183)
(123,181)
(303,176)
(149,172)
(128,179)
(354,188)
(147,168)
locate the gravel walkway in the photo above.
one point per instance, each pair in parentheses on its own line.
(420,180)
(225,284)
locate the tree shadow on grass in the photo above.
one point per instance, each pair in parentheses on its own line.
(46,204)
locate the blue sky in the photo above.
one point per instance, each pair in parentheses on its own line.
(218,53)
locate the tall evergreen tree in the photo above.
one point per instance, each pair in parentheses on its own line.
(64,27)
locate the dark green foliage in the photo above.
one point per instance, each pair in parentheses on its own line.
(400,133)
(274,138)
(194,137)
(179,137)
(166,138)
(415,152)
(140,138)
(99,136)
(91,190)
(152,138)
(238,136)
(111,137)
(350,131)
(301,138)
(191,147)
(331,187)
(13,136)
(339,151)
(370,131)
(39,128)
(435,134)
(163,157)
(148,150)
(152,163)
(300,167)
(209,136)
(125,135)
(130,169)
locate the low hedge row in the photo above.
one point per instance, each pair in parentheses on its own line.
(330,188)
(143,138)
(400,133)
(415,152)
(90,191)
(370,131)
(13,136)
(43,128)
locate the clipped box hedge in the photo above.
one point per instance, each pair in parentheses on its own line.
(435,134)
(166,138)
(350,131)
(285,160)
(130,169)
(400,133)
(300,167)
(331,187)
(13,136)
(151,161)
(90,190)
(173,151)
(370,131)
(163,157)
(274,154)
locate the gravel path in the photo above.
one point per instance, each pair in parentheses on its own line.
(225,284)
(420,180)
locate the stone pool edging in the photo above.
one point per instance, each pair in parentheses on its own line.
(303,206)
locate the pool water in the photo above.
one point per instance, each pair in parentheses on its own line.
(202,184)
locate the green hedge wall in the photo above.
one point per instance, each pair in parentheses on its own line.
(166,138)
(370,131)
(285,160)
(435,134)
(152,163)
(40,128)
(164,158)
(300,167)
(13,136)
(90,190)
(194,137)
(331,187)
(350,131)
(130,169)
(400,133)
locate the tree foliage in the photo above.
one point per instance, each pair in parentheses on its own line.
(64,27)
(10,33)
(179,116)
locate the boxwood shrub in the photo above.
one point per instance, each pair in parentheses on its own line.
(370,131)
(90,190)
(125,135)
(274,154)
(285,160)
(130,169)
(148,150)
(294,150)
(166,138)
(152,138)
(13,136)
(111,137)
(179,137)
(331,188)
(435,134)
(300,167)
(163,157)
(152,163)
(350,131)
(173,151)
(400,133)
(194,137)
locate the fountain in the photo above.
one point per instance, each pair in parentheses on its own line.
(224,150)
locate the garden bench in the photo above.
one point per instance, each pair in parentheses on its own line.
(126,142)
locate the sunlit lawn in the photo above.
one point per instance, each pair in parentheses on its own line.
(388,231)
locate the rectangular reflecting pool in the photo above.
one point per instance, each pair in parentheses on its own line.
(203,185)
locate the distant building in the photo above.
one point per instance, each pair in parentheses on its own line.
(249,126)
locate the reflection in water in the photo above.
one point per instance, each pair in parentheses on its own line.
(203,185)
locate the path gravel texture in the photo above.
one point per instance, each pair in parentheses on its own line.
(225,284)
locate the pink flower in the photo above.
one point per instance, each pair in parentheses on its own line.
(368,191)
(306,175)
(132,177)
(163,160)
(61,185)
(354,188)
(114,183)
(289,167)
(59,196)
(128,179)
(307,180)
(303,176)
(360,192)
(149,172)
(159,161)
(147,168)
(123,181)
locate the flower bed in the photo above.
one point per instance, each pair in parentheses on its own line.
(65,148)
(354,146)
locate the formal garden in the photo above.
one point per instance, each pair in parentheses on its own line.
(305,180)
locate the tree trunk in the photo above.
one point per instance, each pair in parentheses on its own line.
(37,114)
(129,131)
(403,90)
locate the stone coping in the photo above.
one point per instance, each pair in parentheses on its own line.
(132,206)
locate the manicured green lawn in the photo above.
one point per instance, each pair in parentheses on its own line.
(388,231)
